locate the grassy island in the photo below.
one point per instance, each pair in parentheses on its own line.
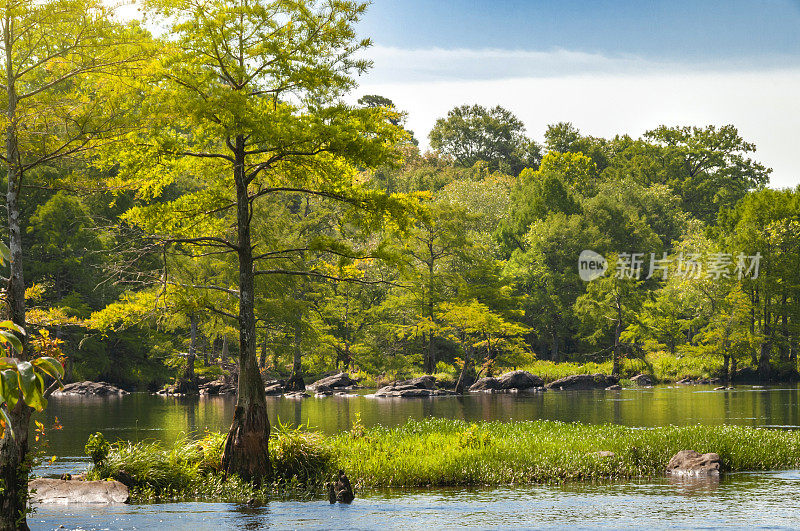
(441,452)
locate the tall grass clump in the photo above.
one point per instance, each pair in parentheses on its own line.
(443,452)
(302,461)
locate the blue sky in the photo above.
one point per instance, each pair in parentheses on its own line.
(676,29)
(608,66)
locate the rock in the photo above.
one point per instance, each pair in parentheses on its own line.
(219,386)
(323,390)
(642,380)
(335,381)
(297,395)
(720,388)
(343,489)
(58,491)
(487,383)
(274,387)
(519,380)
(415,387)
(90,389)
(407,390)
(615,387)
(583,381)
(689,462)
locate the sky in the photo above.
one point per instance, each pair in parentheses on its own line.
(609,67)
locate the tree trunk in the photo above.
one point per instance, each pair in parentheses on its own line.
(554,345)
(223,357)
(462,378)
(726,360)
(262,360)
(188,374)
(296,382)
(617,332)
(14,465)
(764,366)
(245,452)
(188,383)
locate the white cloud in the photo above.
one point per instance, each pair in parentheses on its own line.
(601,96)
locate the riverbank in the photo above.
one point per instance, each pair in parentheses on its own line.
(442,452)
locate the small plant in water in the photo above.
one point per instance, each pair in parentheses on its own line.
(97,447)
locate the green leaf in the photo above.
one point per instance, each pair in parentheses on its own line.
(9,387)
(50,366)
(27,379)
(7,363)
(10,338)
(11,325)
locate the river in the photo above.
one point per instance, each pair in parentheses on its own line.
(769,499)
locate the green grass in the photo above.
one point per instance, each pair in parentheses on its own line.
(301,460)
(663,366)
(443,452)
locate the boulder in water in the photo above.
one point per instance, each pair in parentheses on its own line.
(487,383)
(90,389)
(643,380)
(335,381)
(519,380)
(689,462)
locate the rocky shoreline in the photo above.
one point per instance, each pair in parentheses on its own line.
(342,384)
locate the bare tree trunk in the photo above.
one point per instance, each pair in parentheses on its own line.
(246,452)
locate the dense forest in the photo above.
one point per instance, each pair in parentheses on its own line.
(369,254)
(481,265)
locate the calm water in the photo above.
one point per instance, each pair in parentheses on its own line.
(756,501)
(769,500)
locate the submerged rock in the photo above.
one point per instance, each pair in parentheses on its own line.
(583,381)
(643,380)
(689,462)
(90,389)
(60,491)
(615,387)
